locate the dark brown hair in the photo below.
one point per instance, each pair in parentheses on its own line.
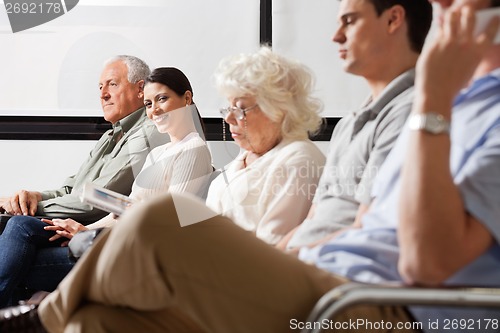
(176,81)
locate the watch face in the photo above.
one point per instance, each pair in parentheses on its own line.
(433,125)
(438,123)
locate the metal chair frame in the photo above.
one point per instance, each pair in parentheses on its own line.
(339,299)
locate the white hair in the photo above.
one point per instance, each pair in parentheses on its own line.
(137,69)
(282,88)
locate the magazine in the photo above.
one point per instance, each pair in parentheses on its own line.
(105,199)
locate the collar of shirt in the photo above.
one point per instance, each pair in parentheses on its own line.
(373,107)
(129,121)
(122,126)
(484,83)
(117,127)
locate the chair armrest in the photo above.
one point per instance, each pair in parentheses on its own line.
(337,300)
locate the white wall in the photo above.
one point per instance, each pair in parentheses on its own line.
(53,69)
(39,165)
(303,30)
(59,62)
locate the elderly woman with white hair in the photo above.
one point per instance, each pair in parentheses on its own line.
(268,188)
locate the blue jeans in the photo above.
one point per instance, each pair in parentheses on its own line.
(28,259)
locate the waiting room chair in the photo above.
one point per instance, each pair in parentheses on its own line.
(213,175)
(339,299)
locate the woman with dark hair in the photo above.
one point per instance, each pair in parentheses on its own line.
(184,163)
(176,81)
(37,261)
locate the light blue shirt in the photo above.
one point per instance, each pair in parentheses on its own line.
(371,254)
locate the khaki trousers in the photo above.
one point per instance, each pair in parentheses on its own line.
(149,274)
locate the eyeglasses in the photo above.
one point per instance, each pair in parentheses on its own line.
(238,112)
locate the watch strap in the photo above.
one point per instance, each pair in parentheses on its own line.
(430,122)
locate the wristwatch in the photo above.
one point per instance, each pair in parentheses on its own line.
(429,122)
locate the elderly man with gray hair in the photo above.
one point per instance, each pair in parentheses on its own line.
(116,158)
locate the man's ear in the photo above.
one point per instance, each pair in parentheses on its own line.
(395,17)
(140,85)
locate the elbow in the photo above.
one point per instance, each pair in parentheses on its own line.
(422,270)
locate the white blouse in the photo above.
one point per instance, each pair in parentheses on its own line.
(272,195)
(174,167)
(184,166)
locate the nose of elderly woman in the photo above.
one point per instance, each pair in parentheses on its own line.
(230,118)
